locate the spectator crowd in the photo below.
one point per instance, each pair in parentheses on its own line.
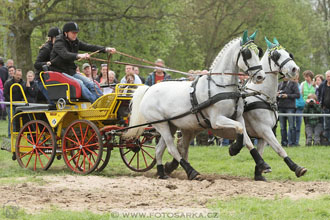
(61,50)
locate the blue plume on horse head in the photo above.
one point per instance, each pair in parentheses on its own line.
(253,36)
(275,41)
(269,44)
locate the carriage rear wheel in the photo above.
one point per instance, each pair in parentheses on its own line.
(82,146)
(139,154)
(109,142)
(36,145)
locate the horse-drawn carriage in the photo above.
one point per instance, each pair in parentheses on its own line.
(80,132)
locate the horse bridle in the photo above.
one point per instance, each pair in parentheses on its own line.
(246,54)
(274,55)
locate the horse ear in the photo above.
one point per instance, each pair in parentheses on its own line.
(269,44)
(253,36)
(275,41)
(245,37)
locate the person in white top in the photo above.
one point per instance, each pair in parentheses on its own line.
(129,71)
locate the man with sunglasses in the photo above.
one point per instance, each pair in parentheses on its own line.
(65,52)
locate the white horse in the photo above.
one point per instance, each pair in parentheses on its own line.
(211,100)
(260,111)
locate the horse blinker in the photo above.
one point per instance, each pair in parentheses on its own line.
(246,53)
(275,56)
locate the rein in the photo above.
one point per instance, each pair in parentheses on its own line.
(162,68)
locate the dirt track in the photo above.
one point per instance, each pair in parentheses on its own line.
(103,194)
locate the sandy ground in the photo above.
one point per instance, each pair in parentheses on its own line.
(118,194)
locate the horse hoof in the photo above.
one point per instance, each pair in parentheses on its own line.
(163,177)
(170,166)
(260,178)
(232,151)
(264,168)
(300,171)
(193,175)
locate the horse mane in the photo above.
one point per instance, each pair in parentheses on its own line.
(218,57)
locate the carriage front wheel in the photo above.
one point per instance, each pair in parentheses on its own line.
(82,146)
(35,145)
(139,154)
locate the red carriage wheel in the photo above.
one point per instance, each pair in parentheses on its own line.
(35,145)
(82,146)
(109,142)
(139,155)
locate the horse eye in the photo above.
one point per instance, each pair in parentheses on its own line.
(246,53)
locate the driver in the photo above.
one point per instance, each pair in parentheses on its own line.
(65,52)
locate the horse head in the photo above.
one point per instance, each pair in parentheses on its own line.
(280,59)
(248,58)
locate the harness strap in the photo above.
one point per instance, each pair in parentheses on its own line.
(194,102)
(262,105)
(257,105)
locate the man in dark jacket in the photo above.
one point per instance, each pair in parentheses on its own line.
(16,93)
(3,71)
(65,52)
(288,92)
(324,98)
(158,75)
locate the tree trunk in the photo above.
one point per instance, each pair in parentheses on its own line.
(23,50)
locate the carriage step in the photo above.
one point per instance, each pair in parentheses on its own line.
(6,144)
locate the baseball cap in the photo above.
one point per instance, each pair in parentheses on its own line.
(85,65)
(94,67)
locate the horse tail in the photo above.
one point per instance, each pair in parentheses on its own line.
(136,117)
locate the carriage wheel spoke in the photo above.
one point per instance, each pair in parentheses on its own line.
(43,140)
(143,150)
(31,135)
(137,160)
(44,153)
(75,134)
(85,134)
(35,163)
(42,166)
(26,154)
(87,157)
(45,147)
(70,149)
(78,159)
(93,152)
(144,158)
(42,132)
(129,150)
(27,164)
(72,141)
(22,135)
(90,145)
(90,138)
(149,146)
(74,156)
(132,159)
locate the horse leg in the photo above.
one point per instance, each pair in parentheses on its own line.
(183,146)
(270,138)
(160,148)
(165,132)
(261,165)
(257,174)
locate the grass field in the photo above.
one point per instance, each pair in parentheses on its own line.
(206,160)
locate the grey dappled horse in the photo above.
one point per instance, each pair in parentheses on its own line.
(224,115)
